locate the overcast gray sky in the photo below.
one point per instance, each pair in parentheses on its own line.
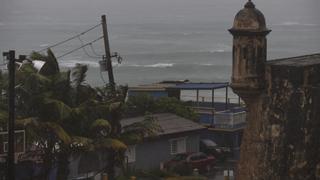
(142,11)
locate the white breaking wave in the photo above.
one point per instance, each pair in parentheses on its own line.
(220,48)
(76,60)
(293,23)
(72,63)
(165,65)
(157,65)
(217,50)
(206,64)
(160,65)
(187,34)
(44,45)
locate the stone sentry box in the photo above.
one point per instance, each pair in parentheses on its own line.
(281,140)
(249,50)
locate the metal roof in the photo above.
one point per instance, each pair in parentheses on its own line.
(169,123)
(151,87)
(299,61)
(200,86)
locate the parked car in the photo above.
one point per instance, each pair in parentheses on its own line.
(211,148)
(201,161)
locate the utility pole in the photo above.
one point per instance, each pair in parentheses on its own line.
(111,158)
(10,158)
(107,52)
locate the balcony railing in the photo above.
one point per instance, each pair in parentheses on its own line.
(229,119)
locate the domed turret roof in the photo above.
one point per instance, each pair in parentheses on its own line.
(249,19)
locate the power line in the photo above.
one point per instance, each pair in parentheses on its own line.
(73,37)
(80,47)
(94,52)
(85,51)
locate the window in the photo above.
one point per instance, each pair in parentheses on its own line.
(5,147)
(178,146)
(131,154)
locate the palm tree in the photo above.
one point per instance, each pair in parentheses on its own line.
(63,115)
(42,106)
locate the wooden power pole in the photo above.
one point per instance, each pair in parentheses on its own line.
(10,158)
(107,52)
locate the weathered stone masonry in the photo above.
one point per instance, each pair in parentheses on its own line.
(282,138)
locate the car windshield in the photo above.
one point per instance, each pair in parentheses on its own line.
(179,157)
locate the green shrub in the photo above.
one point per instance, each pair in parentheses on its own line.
(140,104)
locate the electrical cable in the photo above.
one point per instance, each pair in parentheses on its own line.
(73,37)
(85,51)
(94,52)
(79,47)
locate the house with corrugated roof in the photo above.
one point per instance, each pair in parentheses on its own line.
(178,135)
(219,110)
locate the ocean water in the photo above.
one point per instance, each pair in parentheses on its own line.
(158,39)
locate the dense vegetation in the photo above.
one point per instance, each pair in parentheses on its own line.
(145,103)
(64,116)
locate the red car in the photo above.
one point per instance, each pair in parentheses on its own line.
(199,160)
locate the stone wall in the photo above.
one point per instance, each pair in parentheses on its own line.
(282,139)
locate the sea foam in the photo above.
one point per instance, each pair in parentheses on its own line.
(157,65)
(294,23)
(72,63)
(44,45)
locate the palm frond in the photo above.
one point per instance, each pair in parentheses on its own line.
(31,121)
(85,93)
(137,131)
(80,142)
(51,66)
(40,128)
(131,137)
(61,87)
(79,74)
(58,131)
(110,143)
(27,68)
(33,128)
(101,124)
(37,56)
(57,110)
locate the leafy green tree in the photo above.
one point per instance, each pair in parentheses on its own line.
(143,103)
